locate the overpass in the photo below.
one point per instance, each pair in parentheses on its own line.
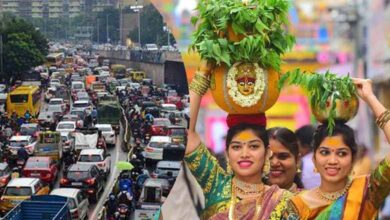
(161,66)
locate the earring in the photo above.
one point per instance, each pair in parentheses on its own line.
(299,170)
(266,166)
(315,170)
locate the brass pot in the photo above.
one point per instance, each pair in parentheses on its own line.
(345,109)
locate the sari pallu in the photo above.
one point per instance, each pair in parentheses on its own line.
(216,185)
(362,201)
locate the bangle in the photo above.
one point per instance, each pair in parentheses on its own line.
(382,120)
(200,84)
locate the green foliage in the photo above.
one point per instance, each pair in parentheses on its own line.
(321,88)
(107,18)
(261,23)
(24,46)
(151,28)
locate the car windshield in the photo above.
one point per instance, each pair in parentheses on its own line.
(55,102)
(77,86)
(178,131)
(80,105)
(37,164)
(78,174)
(90,158)
(18,143)
(54,108)
(27,130)
(157,144)
(161,122)
(66,126)
(18,191)
(105,129)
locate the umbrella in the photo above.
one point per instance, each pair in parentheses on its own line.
(124,165)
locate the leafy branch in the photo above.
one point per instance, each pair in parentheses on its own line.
(259,25)
(322,88)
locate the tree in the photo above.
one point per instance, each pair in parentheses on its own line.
(107,18)
(23,46)
(152,28)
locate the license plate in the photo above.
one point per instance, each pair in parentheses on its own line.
(77,184)
(35,175)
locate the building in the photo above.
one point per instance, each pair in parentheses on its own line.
(54,8)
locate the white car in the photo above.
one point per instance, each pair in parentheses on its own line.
(154,150)
(77,201)
(98,157)
(23,188)
(107,132)
(165,167)
(55,83)
(66,126)
(82,104)
(23,140)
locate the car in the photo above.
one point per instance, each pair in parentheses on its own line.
(74,117)
(81,95)
(77,86)
(167,168)
(86,177)
(81,105)
(23,188)
(27,141)
(30,129)
(57,110)
(57,101)
(108,133)
(43,168)
(173,151)
(5,176)
(159,127)
(154,149)
(178,134)
(55,83)
(81,113)
(66,126)
(77,201)
(99,157)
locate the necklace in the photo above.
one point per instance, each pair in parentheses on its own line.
(247,190)
(332,196)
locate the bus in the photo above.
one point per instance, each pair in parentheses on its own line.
(24,98)
(54,59)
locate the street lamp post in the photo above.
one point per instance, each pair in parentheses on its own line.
(166,29)
(137,8)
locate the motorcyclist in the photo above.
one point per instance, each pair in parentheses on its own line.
(112,205)
(125,182)
(124,196)
(101,141)
(22,153)
(15,173)
(27,115)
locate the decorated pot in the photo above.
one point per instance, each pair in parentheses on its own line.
(245,88)
(345,109)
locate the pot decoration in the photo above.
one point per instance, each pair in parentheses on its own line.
(332,98)
(344,110)
(245,88)
(245,39)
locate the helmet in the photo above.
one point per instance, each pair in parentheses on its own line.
(125,187)
(111,197)
(15,169)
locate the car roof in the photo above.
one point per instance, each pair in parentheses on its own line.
(81,101)
(160,139)
(155,182)
(20,138)
(66,192)
(66,122)
(103,125)
(23,181)
(92,152)
(30,125)
(169,164)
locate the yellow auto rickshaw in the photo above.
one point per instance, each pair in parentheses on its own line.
(138,76)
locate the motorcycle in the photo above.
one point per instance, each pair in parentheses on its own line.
(123,212)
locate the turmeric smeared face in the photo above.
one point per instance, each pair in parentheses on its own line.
(333,159)
(246,155)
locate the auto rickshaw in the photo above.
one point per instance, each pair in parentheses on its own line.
(138,76)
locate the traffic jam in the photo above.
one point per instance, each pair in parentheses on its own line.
(101,136)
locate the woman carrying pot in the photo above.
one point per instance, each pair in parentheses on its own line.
(285,159)
(239,194)
(338,196)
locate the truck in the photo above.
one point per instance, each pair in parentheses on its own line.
(85,138)
(49,144)
(41,207)
(109,112)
